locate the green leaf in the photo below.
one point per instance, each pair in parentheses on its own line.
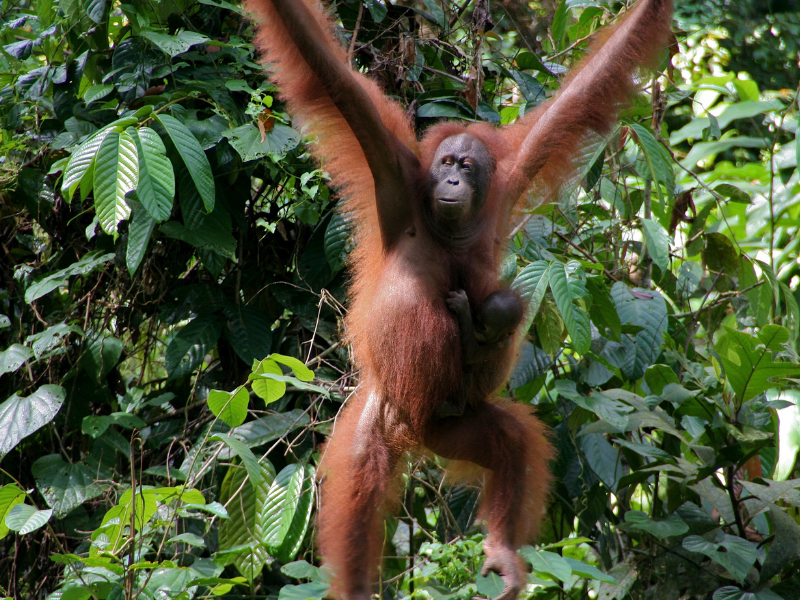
(735,194)
(588,571)
(657,243)
(657,376)
(657,160)
(25,519)
(51,338)
(87,264)
(231,408)
(288,510)
(602,311)
(301,569)
(271,427)
(140,231)
(268,389)
(436,11)
(292,380)
(13,357)
(560,22)
(647,450)
(241,536)
(102,354)
(749,367)
(645,309)
(670,526)
(730,592)
(244,453)
(733,553)
(785,548)
(249,332)
(156,189)
(576,321)
(20,416)
(690,274)
(547,563)
(301,371)
(80,163)
(173,45)
(703,150)
(139,509)
(315,590)
(193,157)
(247,141)
(531,283)
(10,496)
(376,10)
(64,485)
(720,254)
(76,593)
(210,234)
(337,235)
(116,172)
(188,538)
(97,92)
(189,347)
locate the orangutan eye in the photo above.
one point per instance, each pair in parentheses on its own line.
(448,160)
(466,166)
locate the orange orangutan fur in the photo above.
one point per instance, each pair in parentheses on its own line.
(404,340)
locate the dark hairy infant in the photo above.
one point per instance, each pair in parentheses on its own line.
(433,334)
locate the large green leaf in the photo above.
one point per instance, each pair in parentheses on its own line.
(576,320)
(80,163)
(657,159)
(785,548)
(174,45)
(156,189)
(657,243)
(241,536)
(26,519)
(189,347)
(10,496)
(249,332)
(271,427)
(588,571)
(645,309)
(13,357)
(287,511)
(102,354)
(314,590)
(139,232)
(116,172)
(547,563)
(669,526)
(730,592)
(731,552)
(51,338)
(244,453)
(65,485)
(531,283)
(337,235)
(88,263)
(193,157)
(20,416)
(230,407)
(748,360)
(251,144)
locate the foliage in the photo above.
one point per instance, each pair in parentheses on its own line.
(173,284)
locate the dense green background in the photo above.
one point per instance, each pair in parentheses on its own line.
(164,231)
